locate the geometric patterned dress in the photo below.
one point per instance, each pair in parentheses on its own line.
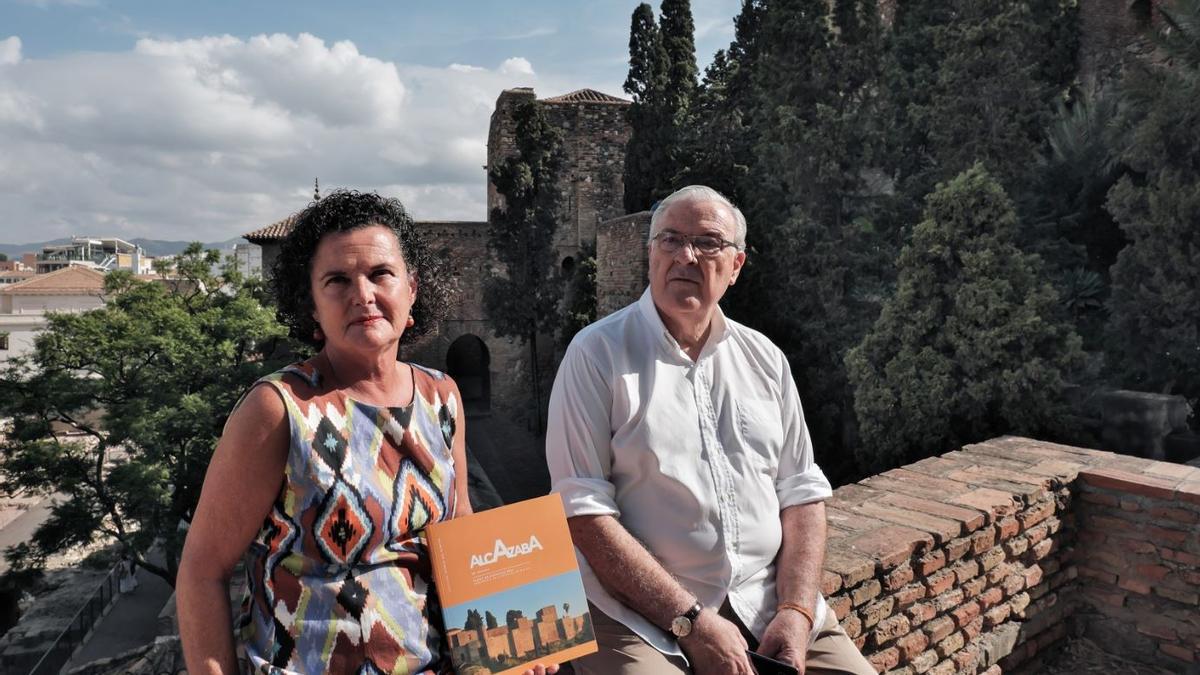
(339,576)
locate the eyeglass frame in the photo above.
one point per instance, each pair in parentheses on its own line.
(689,242)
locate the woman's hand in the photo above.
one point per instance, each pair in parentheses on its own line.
(541,669)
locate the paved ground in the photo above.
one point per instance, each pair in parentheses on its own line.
(132,622)
(21,528)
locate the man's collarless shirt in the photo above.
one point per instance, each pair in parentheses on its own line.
(696,459)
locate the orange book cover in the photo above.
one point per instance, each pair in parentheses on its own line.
(510,589)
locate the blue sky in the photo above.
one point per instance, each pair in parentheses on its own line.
(529,599)
(204,120)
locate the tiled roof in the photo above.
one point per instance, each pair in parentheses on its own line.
(75,280)
(585,96)
(272,232)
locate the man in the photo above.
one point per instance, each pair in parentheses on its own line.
(678,444)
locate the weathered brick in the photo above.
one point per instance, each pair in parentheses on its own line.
(974,587)
(1102,498)
(891,628)
(852,625)
(1157,629)
(921,612)
(965,613)
(1180,557)
(1039,590)
(970,519)
(851,567)
(830,583)
(1152,572)
(939,581)
(866,591)
(995,503)
(1185,597)
(1130,505)
(1134,585)
(1013,583)
(890,545)
(974,628)
(1109,597)
(1042,549)
(1099,575)
(1007,527)
(1163,534)
(991,597)
(997,573)
(942,529)
(996,615)
(911,645)
(924,661)
(1035,514)
(983,540)
(1189,491)
(950,644)
(939,628)
(840,604)
(1038,532)
(965,570)
(909,594)
(946,667)
(1182,653)
(932,561)
(1128,482)
(1139,546)
(885,659)
(876,612)
(1019,603)
(1033,576)
(897,577)
(950,598)
(1016,546)
(966,658)
(994,670)
(1178,515)
(990,558)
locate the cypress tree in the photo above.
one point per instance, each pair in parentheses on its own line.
(969,345)
(646,84)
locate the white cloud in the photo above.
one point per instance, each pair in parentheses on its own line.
(10,50)
(212,137)
(516,66)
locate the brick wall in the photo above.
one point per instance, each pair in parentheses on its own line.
(1139,561)
(970,562)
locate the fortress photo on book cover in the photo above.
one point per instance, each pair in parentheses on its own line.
(508,581)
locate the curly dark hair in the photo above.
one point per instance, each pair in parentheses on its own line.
(342,211)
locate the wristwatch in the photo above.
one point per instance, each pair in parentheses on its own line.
(681,625)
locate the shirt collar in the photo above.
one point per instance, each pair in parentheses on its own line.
(718,333)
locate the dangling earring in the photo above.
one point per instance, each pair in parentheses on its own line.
(409,322)
(318,335)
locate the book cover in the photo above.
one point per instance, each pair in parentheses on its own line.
(510,588)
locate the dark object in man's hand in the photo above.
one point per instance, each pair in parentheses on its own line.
(765,665)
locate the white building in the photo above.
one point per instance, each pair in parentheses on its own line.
(248,259)
(102,253)
(23,305)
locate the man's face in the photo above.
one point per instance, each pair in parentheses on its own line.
(687,285)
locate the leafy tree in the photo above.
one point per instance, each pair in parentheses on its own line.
(580,298)
(117,410)
(523,296)
(1154,331)
(3,257)
(811,236)
(474,620)
(646,84)
(970,345)
(490,619)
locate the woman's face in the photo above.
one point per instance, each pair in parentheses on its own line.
(361,288)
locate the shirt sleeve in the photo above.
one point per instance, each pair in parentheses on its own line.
(579,437)
(799,480)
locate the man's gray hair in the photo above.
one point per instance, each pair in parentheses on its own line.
(700,193)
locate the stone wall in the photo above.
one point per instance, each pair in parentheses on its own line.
(970,562)
(621,261)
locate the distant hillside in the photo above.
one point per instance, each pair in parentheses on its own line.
(154,247)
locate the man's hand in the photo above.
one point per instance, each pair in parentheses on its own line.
(716,646)
(786,638)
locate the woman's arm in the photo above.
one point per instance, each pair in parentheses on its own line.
(242,482)
(462,499)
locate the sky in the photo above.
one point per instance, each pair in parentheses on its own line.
(178,120)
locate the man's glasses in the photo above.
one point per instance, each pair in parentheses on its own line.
(703,244)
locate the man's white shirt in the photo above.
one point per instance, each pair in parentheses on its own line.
(696,459)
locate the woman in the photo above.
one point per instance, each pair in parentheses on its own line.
(329,470)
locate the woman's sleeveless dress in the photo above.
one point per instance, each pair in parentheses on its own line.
(339,576)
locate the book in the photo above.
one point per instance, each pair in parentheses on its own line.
(502,576)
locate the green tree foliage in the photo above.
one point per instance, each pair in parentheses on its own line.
(970,345)
(474,620)
(580,298)
(117,410)
(522,297)
(973,80)
(1154,331)
(490,620)
(510,619)
(815,257)
(662,82)
(646,84)
(3,257)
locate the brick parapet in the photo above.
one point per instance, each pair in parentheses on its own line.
(978,558)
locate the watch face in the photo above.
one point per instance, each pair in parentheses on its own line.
(681,626)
